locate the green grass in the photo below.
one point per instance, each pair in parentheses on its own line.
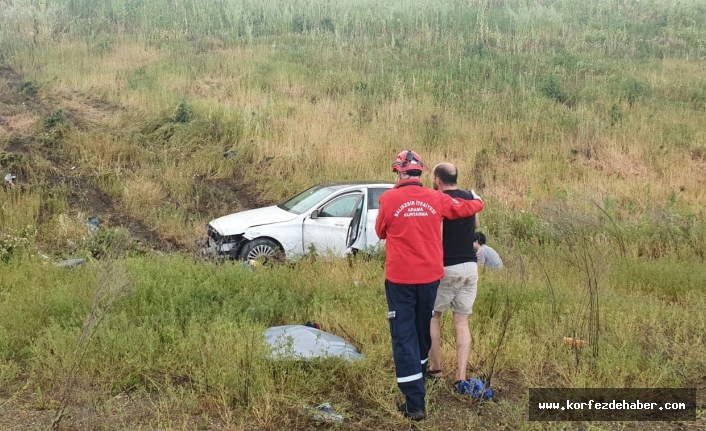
(190,331)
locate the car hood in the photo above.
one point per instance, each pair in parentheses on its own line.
(237,223)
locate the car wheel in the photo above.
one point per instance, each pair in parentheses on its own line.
(261,248)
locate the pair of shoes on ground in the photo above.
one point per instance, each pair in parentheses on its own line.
(415,415)
(473,387)
(464,387)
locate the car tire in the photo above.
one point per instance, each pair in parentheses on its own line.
(261,248)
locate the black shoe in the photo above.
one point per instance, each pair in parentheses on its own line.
(433,374)
(415,415)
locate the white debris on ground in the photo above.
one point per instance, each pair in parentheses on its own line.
(305,342)
(325,413)
(70,263)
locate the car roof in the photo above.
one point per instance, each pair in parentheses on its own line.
(343,184)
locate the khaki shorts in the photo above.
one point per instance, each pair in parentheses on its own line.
(458,288)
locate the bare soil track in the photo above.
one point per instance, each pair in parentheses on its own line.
(23,137)
(29,410)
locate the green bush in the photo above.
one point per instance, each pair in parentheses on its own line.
(29,88)
(184,112)
(57,117)
(113,242)
(140,78)
(15,242)
(615,115)
(635,91)
(551,88)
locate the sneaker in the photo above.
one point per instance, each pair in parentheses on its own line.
(475,388)
(464,387)
(479,389)
(415,415)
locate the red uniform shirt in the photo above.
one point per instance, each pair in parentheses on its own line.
(409,219)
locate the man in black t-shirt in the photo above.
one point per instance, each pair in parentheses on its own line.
(457,290)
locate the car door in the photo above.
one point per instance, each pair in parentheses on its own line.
(326,227)
(371,238)
(355,239)
(361,234)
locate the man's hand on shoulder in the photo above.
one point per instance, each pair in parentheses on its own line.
(475,196)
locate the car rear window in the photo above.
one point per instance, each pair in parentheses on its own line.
(374,197)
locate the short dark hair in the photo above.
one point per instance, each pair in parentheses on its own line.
(480,237)
(445,175)
(414,173)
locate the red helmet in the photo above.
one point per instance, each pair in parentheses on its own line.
(407,160)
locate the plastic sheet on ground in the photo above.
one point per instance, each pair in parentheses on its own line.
(304,342)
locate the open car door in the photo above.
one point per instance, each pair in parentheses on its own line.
(355,229)
(361,232)
(326,228)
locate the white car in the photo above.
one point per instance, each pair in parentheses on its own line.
(333,218)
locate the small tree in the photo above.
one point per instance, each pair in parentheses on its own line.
(551,87)
(615,115)
(184,112)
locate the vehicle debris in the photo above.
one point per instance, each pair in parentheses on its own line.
(70,263)
(252,264)
(10,180)
(92,224)
(307,342)
(325,413)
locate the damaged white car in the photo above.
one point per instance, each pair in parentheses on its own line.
(331,218)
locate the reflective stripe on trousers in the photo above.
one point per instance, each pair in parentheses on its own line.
(410,308)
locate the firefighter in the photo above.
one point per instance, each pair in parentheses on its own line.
(409,220)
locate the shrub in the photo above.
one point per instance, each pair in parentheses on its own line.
(635,91)
(113,242)
(57,117)
(140,78)
(184,112)
(615,115)
(29,88)
(551,88)
(14,242)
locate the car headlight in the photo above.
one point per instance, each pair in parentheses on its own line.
(223,243)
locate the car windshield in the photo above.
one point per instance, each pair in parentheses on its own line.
(306,200)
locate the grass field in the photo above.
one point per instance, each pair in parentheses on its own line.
(580,124)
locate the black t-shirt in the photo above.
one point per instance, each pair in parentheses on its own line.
(459,234)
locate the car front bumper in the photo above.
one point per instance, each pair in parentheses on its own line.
(220,244)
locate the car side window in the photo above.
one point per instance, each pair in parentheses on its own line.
(342,207)
(374,198)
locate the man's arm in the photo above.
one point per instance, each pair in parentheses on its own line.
(480,257)
(475,196)
(380,224)
(453,208)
